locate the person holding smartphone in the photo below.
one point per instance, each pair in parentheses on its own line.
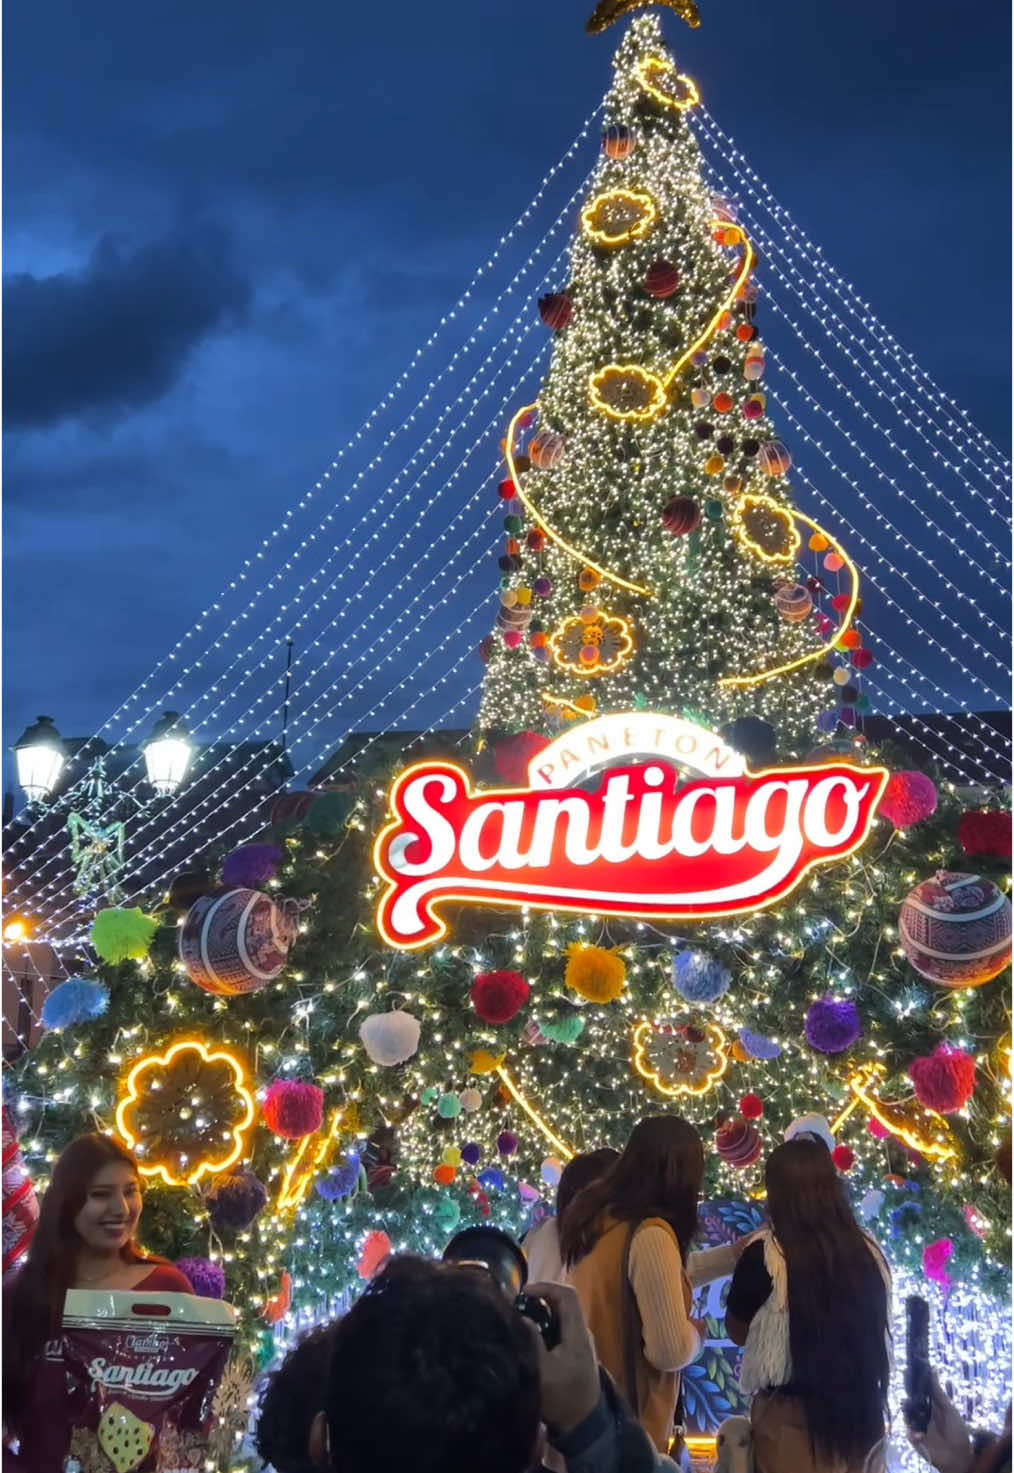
(950,1446)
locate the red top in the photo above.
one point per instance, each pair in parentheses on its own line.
(163,1276)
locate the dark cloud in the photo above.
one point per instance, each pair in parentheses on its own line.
(115,335)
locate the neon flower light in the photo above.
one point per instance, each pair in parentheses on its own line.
(642,842)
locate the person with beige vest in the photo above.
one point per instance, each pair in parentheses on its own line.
(625,1244)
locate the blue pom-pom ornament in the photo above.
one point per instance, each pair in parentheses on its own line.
(75,1001)
(699,977)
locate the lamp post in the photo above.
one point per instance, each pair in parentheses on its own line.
(41,757)
(167,754)
(97,835)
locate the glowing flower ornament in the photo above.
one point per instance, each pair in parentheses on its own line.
(186,1113)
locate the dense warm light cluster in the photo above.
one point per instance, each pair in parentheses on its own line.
(635,434)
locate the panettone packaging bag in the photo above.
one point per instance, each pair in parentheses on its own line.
(140,1375)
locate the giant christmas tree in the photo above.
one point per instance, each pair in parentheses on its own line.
(299,1077)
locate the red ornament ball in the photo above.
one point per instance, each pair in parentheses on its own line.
(499,996)
(556,310)
(661,279)
(535,541)
(619,141)
(293,1110)
(751,1107)
(986,834)
(945,1081)
(738,1143)
(681,516)
(862,659)
(546,450)
(843,1157)
(513,639)
(955,929)
(909,798)
(793,602)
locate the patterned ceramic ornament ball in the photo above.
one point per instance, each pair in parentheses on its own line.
(235,943)
(955,929)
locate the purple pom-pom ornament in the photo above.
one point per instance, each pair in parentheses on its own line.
(832,1027)
(235,1200)
(340,1181)
(507,1143)
(252,866)
(207,1279)
(471,1154)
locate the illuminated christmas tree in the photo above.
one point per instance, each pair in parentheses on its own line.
(652,542)
(664,611)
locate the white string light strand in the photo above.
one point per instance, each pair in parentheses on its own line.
(830,278)
(47,893)
(156,704)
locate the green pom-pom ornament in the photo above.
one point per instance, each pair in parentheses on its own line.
(447,1213)
(121,935)
(430,1095)
(714,510)
(449,1107)
(564,1030)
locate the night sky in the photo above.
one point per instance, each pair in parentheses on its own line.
(228,227)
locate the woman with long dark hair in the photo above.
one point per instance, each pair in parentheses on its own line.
(625,1242)
(86,1238)
(542,1244)
(810,1300)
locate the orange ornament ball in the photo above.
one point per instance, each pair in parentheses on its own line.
(722,403)
(746,332)
(851,639)
(588,579)
(714,465)
(819,543)
(444,1176)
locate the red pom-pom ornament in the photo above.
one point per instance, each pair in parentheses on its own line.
(499,996)
(843,1157)
(751,1107)
(512,756)
(945,1081)
(985,834)
(293,1110)
(908,798)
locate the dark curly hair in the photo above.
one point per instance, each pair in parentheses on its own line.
(293,1395)
(432,1369)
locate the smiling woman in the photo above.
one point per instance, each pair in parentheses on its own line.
(85,1239)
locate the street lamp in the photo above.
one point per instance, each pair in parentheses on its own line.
(167,754)
(40,755)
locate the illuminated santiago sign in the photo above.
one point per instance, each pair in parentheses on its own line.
(639,841)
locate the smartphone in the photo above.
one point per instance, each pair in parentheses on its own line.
(918,1384)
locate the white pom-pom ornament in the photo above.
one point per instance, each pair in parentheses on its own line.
(470,1099)
(390,1038)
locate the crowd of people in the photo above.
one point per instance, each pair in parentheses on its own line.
(434,1367)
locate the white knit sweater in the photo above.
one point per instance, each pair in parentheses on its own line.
(767,1361)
